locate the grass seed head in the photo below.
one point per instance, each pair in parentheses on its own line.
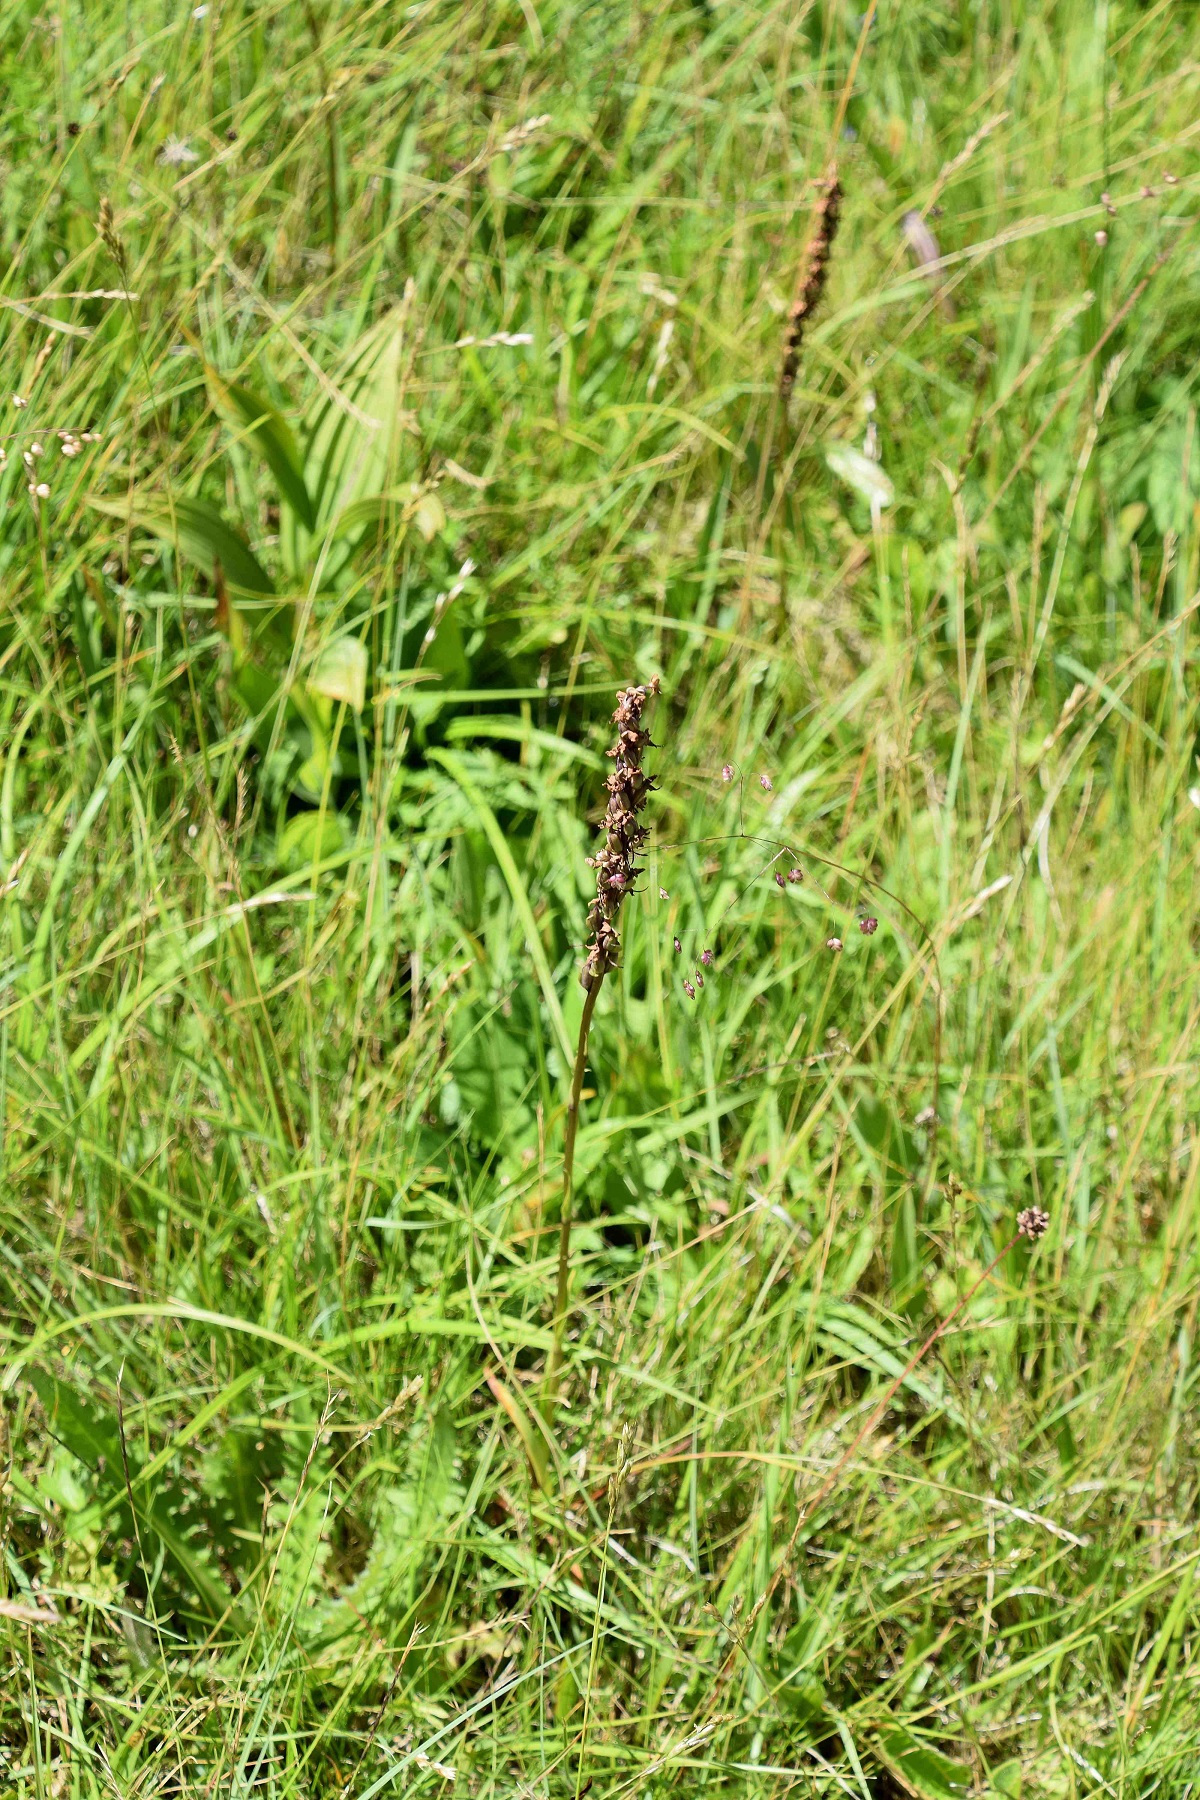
(814,272)
(616,862)
(107,227)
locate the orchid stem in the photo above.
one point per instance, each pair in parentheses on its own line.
(568,1171)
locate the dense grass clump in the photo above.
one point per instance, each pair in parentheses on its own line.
(384,387)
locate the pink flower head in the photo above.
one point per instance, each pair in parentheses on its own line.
(764,782)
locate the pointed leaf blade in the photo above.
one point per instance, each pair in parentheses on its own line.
(272,436)
(198,533)
(922,1770)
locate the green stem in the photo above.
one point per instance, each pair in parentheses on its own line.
(568,1171)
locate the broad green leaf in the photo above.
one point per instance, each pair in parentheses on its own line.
(273,438)
(922,1770)
(310,837)
(803,1697)
(340,672)
(59,1482)
(491,1073)
(199,534)
(537,950)
(372,509)
(356,431)
(88,1433)
(93,1438)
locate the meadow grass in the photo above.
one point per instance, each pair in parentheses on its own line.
(420,374)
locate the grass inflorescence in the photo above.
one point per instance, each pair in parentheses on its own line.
(767,1368)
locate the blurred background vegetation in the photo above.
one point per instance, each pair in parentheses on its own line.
(383,387)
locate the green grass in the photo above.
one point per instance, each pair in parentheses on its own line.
(433,360)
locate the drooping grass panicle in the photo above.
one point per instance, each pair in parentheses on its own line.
(814,271)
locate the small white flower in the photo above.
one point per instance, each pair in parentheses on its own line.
(19,401)
(177,153)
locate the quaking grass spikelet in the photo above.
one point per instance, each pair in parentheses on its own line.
(813,273)
(617,866)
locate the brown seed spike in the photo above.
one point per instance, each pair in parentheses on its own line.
(813,272)
(616,863)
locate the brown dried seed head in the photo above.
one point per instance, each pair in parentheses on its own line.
(616,863)
(813,272)
(1033,1223)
